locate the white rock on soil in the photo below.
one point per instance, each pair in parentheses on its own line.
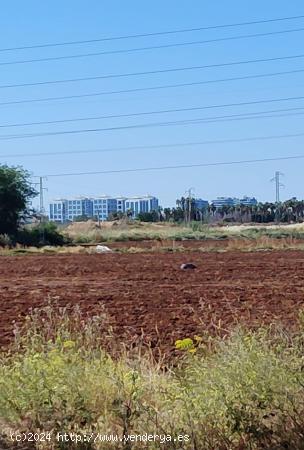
(103,249)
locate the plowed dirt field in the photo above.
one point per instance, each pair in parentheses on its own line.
(150,294)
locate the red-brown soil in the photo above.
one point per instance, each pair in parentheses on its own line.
(149,293)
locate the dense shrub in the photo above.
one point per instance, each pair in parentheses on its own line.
(152,216)
(40,235)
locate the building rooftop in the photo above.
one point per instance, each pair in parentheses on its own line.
(104,197)
(140,197)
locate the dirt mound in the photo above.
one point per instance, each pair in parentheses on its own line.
(81,227)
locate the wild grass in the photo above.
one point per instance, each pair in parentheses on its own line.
(276,233)
(80,234)
(116,235)
(195,231)
(242,244)
(233,244)
(263,243)
(67,373)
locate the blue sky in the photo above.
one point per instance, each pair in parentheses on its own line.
(32,22)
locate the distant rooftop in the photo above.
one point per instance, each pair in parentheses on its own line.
(104,197)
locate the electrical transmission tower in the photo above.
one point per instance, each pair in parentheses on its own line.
(278,184)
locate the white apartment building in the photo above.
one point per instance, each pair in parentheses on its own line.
(100,207)
(103,206)
(143,204)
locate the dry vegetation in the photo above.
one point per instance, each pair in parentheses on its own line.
(121,231)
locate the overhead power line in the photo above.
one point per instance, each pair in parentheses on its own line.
(157,147)
(151,88)
(232,117)
(157,33)
(180,166)
(151,47)
(153,72)
(148,113)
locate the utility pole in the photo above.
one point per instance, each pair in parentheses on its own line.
(41,206)
(188,204)
(41,196)
(278,184)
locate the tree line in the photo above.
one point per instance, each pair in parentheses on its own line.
(186,210)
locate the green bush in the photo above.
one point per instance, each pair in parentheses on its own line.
(247,393)
(40,235)
(82,239)
(5,240)
(152,216)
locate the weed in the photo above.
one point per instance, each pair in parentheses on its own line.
(244,391)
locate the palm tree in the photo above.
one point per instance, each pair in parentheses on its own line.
(167,213)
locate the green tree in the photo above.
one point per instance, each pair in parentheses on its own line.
(167,214)
(82,218)
(177,214)
(15,195)
(151,216)
(116,215)
(40,235)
